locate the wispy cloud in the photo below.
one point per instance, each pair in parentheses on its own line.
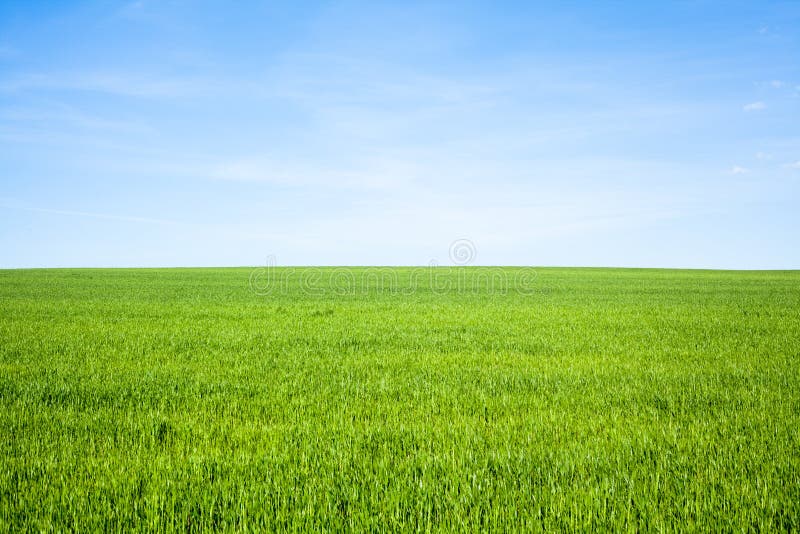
(795,165)
(48,116)
(739,170)
(93,215)
(763,156)
(754,106)
(366,173)
(127,85)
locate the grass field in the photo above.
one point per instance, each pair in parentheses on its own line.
(186,399)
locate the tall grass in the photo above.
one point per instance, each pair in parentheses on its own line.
(183,399)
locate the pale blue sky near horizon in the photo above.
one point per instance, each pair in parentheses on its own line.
(376,133)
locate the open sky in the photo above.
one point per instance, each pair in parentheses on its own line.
(157,133)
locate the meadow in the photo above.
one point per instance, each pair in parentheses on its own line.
(331,399)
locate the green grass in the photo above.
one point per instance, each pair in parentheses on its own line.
(183,399)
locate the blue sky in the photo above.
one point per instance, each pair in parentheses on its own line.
(370,133)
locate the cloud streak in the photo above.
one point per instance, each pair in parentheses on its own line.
(754,106)
(130,85)
(93,215)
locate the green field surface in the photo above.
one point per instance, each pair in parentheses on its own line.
(450,399)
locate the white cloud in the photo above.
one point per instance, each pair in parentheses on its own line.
(777,84)
(739,170)
(795,165)
(754,106)
(763,156)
